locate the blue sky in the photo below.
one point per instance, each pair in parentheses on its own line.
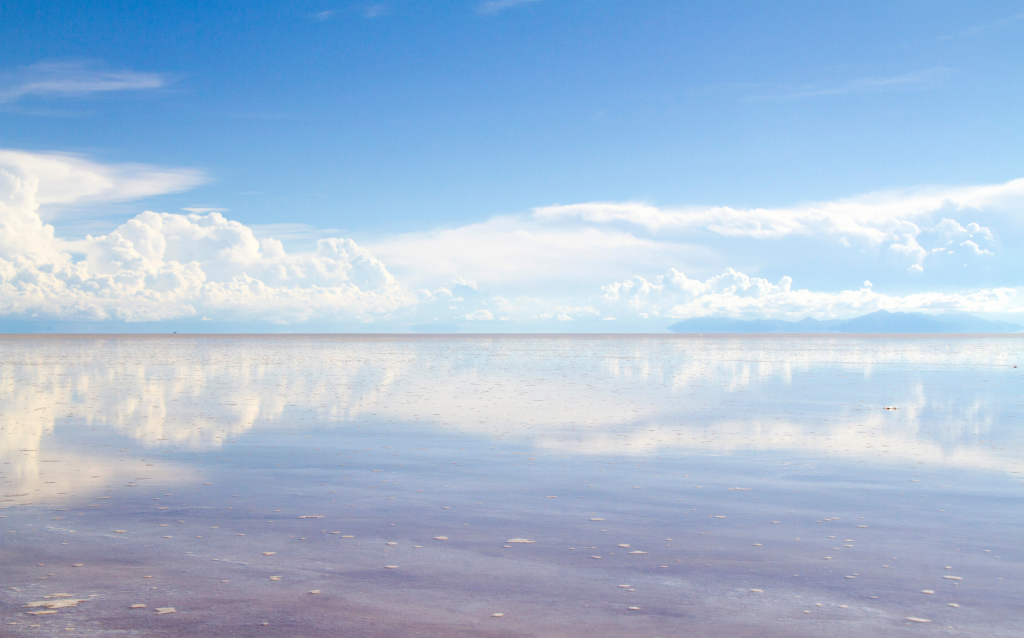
(560,159)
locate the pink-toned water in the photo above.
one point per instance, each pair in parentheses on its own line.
(731,486)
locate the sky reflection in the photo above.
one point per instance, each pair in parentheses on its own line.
(957,398)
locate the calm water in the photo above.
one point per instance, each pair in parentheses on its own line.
(667,485)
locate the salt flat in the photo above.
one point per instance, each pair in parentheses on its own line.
(673,485)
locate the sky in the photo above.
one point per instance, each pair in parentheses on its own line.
(506,165)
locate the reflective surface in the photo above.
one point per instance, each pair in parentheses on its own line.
(668,485)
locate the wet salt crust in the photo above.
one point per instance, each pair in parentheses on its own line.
(385,486)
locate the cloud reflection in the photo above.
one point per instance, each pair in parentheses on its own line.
(568,395)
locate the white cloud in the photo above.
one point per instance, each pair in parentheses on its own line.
(495,6)
(162,265)
(951,228)
(915,81)
(205,209)
(524,253)
(896,219)
(975,248)
(74,79)
(910,248)
(875,217)
(549,266)
(734,294)
(592,243)
(64,178)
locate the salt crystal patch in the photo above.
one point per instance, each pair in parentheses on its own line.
(56,604)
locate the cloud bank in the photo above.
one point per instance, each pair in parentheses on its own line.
(735,294)
(877,218)
(589,266)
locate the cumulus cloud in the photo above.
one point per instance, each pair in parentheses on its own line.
(75,79)
(951,228)
(909,248)
(163,265)
(735,294)
(550,267)
(594,242)
(975,248)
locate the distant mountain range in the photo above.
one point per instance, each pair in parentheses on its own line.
(879,322)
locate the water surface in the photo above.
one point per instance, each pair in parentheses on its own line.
(669,485)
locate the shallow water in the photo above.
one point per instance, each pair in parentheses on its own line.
(671,485)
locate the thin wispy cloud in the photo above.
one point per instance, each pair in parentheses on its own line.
(980,29)
(917,81)
(373,10)
(496,6)
(292,232)
(202,210)
(65,179)
(72,79)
